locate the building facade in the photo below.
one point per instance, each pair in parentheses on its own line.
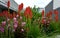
(53,5)
(56,6)
(49,7)
(13,5)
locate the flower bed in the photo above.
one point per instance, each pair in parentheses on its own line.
(30,24)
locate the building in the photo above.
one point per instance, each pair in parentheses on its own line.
(56,6)
(13,5)
(49,7)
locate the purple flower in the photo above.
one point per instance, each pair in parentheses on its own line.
(22,30)
(15,26)
(17,15)
(21,17)
(8,19)
(15,22)
(44,20)
(23,23)
(3,23)
(8,26)
(48,21)
(1,29)
(14,19)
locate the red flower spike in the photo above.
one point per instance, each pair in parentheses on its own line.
(20,7)
(28,13)
(8,3)
(50,13)
(42,13)
(47,15)
(56,18)
(55,12)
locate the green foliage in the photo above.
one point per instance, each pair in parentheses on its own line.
(55,26)
(36,13)
(34,28)
(2,19)
(34,32)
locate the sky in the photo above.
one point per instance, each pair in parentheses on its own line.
(31,3)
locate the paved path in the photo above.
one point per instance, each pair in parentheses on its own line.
(54,36)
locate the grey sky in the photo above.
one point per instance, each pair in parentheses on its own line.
(31,3)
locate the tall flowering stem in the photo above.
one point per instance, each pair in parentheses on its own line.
(10,15)
(8,5)
(56,18)
(20,7)
(42,13)
(49,14)
(56,12)
(28,15)
(56,15)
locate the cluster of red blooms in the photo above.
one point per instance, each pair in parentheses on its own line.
(4,13)
(49,14)
(44,18)
(56,15)
(28,13)
(7,15)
